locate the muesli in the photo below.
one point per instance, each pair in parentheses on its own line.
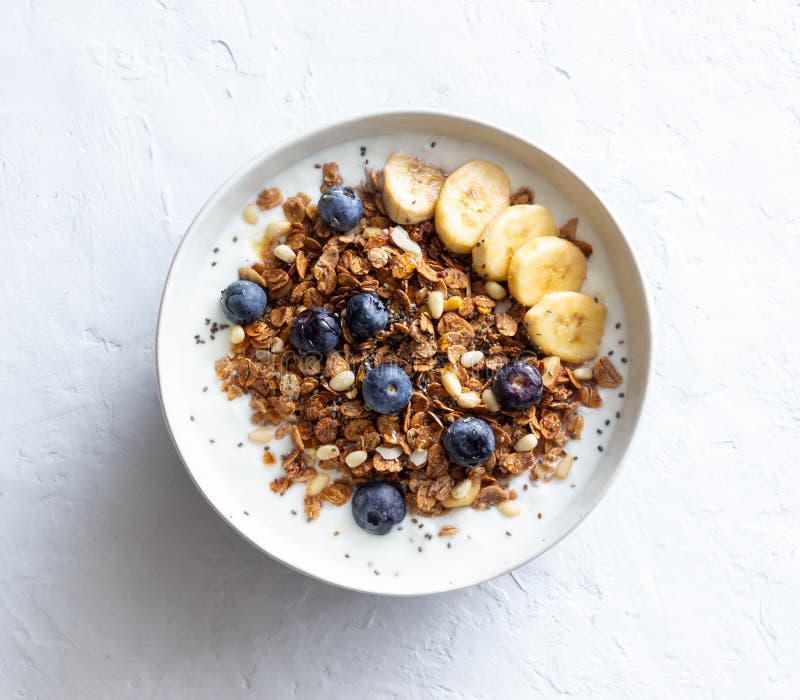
(422,337)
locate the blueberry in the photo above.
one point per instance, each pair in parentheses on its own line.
(377,507)
(468,441)
(386,389)
(517,385)
(243,302)
(340,207)
(315,330)
(366,315)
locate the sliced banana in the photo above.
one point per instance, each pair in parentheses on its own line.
(410,189)
(505,234)
(568,325)
(543,265)
(471,197)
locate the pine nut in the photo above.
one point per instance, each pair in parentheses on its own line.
(342,381)
(317,484)
(469,399)
(526,443)
(237,334)
(356,459)
(451,383)
(562,470)
(471,358)
(250,214)
(552,370)
(402,240)
(285,253)
(490,400)
(461,489)
(495,290)
(277,345)
(371,232)
(389,452)
(418,457)
(453,303)
(261,435)
(583,373)
(327,452)
(509,509)
(436,304)
(276,229)
(309,456)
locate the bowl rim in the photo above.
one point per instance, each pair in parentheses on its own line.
(343,124)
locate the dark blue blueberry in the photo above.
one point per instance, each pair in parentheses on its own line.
(386,389)
(366,315)
(377,507)
(315,330)
(517,385)
(468,441)
(340,207)
(243,302)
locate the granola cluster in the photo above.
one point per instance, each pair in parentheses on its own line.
(306,397)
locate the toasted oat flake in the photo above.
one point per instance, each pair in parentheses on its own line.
(564,466)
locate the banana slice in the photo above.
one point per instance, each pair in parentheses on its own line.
(410,189)
(546,264)
(507,232)
(568,325)
(471,197)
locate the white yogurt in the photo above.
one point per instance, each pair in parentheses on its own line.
(480,532)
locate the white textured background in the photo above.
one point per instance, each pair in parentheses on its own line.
(118,119)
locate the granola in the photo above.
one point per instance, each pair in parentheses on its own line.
(448,328)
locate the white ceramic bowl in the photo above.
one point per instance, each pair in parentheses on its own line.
(207,429)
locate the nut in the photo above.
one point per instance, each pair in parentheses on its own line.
(401,239)
(471,358)
(250,214)
(551,371)
(371,232)
(389,452)
(509,509)
(583,373)
(418,457)
(461,489)
(436,304)
(236,334)
(526,443)
(342,381)
(469,399)
(356,458)
(463,494)
(276,229)
(277,345)
(261,435)
(495,290)
(490,400)
(451,383)
(327,452)
(563,467)
(605,374)
(285,253)
(317,484)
